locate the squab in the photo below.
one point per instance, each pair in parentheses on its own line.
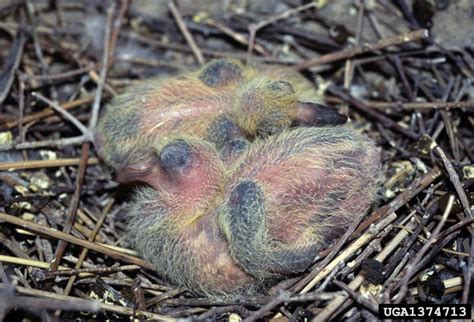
(221,102)
(232,230)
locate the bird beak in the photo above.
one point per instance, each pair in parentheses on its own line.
(135,172)
(314,114)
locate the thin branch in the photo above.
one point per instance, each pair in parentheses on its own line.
(365,48)
(103,71)
(254,28)
(453,176)
(187,35)
(11,63)
(111,39)
(240,38)
(54,297)
(74,240)
(410,270)
(68,116)
(384,120)
(49,111)
(39,164)
(72,209)
(46,143)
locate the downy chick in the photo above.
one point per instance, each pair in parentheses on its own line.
(292,194)
(172,220)
(222,101)
(264,217)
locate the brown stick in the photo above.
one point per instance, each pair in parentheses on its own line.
(365,48)
(72,209)
(400,200)
(92,304)
(254,28)
(384,120)
(469,105)
(73,240)
(38,164)
(187,35)
(49,111)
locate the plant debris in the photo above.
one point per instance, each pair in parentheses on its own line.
(403,74)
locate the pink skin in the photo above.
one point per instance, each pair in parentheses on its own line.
(182,111)
(194,185)
(188,197)
(314,182)
(186,105)
(217,269)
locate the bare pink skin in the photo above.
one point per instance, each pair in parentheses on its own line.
(292,194)
(225,231)
(190,104)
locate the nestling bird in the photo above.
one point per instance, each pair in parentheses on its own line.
(227,230)
(235,199)
(220,102)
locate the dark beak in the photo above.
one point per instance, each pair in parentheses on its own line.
(314,114)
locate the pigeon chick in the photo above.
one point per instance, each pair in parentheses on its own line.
(172,220)
(292,194)
(238,228)
(222,101)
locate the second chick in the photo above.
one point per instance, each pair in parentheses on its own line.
(234,231)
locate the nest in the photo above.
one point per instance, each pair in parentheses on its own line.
(409,89)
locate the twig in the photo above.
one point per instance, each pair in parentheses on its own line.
(103,72)
(111,41)
(280,298)
(72,209)
(11,301)
(403,76)
(58,76)
(21,107)
(236,36)
(334,250)
(84,251)
(411,191)
(87,132)
(384,120)
(254,28)
(357,297)
(68,116)
(38,51)
(74,240)
(468,273)
(468,105)
(101,306)
(94,270)
(107,87)
(49,111)
(365,48)
(410,270)
(349,251)
(338,301)
(397,258)
(206,316)
(38,264)
(46,143)
(10,64)
(39,164)
(187,35)
(206,52)
(454,178)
